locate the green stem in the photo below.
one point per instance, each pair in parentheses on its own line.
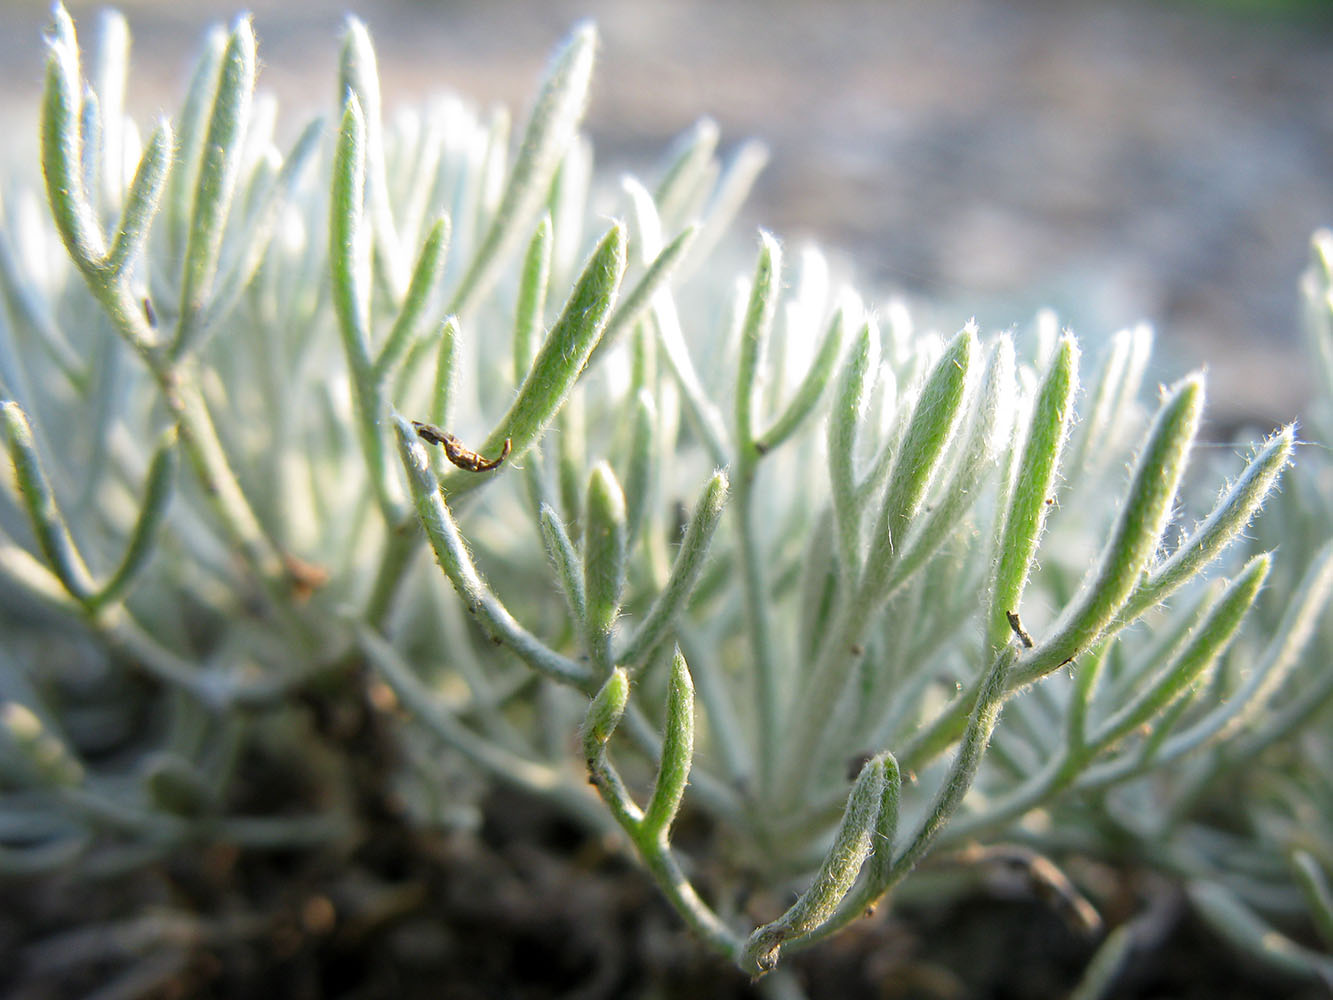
(648,837)
(760,625)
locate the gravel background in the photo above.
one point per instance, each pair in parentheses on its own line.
(1118,160)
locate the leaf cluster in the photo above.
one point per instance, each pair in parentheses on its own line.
(737,535)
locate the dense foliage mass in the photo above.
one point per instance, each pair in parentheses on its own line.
(851,591)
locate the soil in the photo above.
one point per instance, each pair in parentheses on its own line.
(533,909)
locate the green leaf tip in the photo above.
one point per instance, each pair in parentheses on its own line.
(560,551)
(812,387)
(142,200)
(934,418)
(673,770)
(603,550)
(685,571)
(604,713)
(62,147)
(886,829)
(758,323)
(844,426)
(349,247)
(1235,509)
(1032,487)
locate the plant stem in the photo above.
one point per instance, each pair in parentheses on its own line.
(760,628)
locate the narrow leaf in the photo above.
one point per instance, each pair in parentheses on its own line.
(604,714)
(62,147)
(561,358)
(759,314)
(48,524)
(1318,893)
(1032,488)
(349,250)
(732,189)
(110,76)
(684,573)
(643,459)
(1108,962)
(1229,518)
(531,303)
(358,76)
(637,300)
(704,414)
(429,266)
(551,128)
(811,389)
(934,418)
(985,438)
(349,266)
(446,356)
(219,168)
(143,537)
(90,149)
(603,556)
(673,770)
(503,764)
(852,844)
(251,240)
(688,165)
(142,201)
(845,420)
(886,829)
(1246,932)
(966,762)
(49,759)
(1305,610)
(560,550)
(1207,643)
(1099,418)
(191,129)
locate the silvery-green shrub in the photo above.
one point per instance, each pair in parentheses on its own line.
(736,543)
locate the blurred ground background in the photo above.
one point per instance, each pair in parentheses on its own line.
(1118,160)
